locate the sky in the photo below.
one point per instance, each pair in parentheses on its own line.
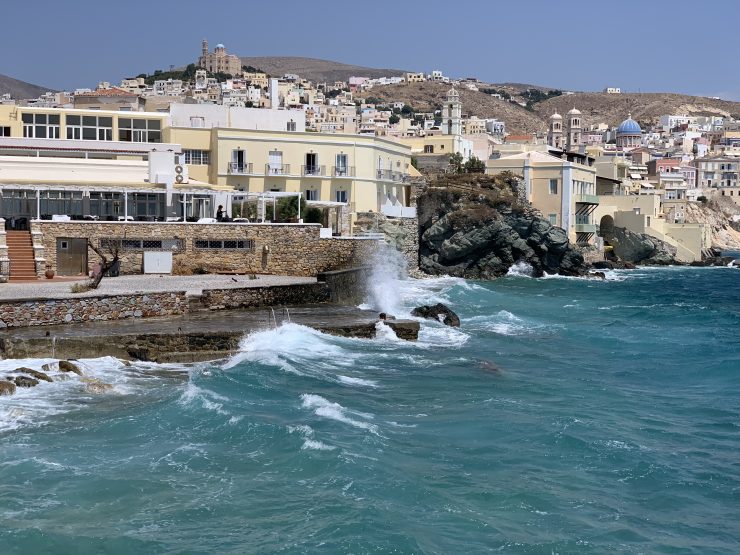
(638,45)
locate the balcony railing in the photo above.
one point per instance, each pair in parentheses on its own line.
(585,228)
(240,169)
(587,199)
(316,171)
(277,169)
(385,174)
(343,171)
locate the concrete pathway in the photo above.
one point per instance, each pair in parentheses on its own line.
(142,283)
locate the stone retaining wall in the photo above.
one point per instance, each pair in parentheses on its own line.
(41,312)
(280,249)
(216,299)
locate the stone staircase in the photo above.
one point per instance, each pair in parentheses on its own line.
(21,255)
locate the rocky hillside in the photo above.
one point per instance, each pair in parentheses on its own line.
(20,89)
(427,97)
(314,69)
(718,214)
(646,108)
(474,226)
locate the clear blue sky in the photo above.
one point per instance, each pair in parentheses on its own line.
(648,45)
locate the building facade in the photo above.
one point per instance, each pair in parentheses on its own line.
(219,61)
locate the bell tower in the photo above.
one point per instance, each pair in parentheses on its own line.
(452,114)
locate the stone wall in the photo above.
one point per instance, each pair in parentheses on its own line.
(217,299)
(40,312)
(346,286)
(281,249)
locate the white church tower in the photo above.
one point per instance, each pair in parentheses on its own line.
(452,114)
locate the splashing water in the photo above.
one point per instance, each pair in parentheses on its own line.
(521,269)
(384,288)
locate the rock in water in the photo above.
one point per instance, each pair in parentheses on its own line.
(94,385)
(67,366)
(34,373)
(25,381)
(7,388)
(438,312)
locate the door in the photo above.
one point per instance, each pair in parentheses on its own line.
(341,165)
(71,256)
(202,208)
(275,162)
(312,163)
(237,161)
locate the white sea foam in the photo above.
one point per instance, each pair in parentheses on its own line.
(383,332)
(506,323)
(439,335)
(309,442)
(357,381)
(334,411)
(520,269)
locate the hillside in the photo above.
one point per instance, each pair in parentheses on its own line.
(314,69)
(429,96)
(646,108)
(20,89)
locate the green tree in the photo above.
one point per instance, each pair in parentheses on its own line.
(456,163)
(475,165)
(394,119)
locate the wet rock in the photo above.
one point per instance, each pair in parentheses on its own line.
(67,366)
(7,388)
(25,381)
(34,373)
(599,275)
(94,385)
(438,312)
(50,366)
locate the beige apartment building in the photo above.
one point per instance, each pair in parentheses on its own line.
(563,191)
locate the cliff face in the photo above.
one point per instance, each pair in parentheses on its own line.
(718,214)
(475,227)
(639,248)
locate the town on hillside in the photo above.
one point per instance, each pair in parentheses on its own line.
(218,142)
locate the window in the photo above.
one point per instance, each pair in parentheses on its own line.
(4,131)
(197,121)
(129,244)
(553,219)
(341,196)
(312,195)
(553,186)
(134,130)
(90,128)
(40,126)
(291,125)
(228,244)
(197,157)
(428,149)
(341,164)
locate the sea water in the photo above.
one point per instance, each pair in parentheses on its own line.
(563,416)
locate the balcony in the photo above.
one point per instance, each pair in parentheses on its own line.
(399,177)
(313,171)
(277,169)
(235,168)
(385,174)
(587,199)
(343,171)
(585,228)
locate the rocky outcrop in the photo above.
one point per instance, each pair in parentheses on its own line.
(438,312)
(480,233)
(25,381)
(640,248)
(717,214)
(6,388)
(34,373)
(67,366)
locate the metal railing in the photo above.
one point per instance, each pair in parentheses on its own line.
(316,171)
(343,171)
(277,169)
(385,174)
(240,169)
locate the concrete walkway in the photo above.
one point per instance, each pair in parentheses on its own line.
(148,283)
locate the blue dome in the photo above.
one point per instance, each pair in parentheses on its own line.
(629,127)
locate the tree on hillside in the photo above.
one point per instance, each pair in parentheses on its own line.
(456,163)
(475,165)
(394,119)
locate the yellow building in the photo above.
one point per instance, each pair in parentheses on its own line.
(366,173)
(563,191)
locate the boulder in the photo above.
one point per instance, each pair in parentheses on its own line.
(50,367)
(34,373)
(640,248)
(438,312)
(94,385)
(67,366)
(7,388)
(25,381)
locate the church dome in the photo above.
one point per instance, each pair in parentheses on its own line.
(556,116)
(453,92)
(574,112)
(629,127)
(219,45)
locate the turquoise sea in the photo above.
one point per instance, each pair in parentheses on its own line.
(564,416)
